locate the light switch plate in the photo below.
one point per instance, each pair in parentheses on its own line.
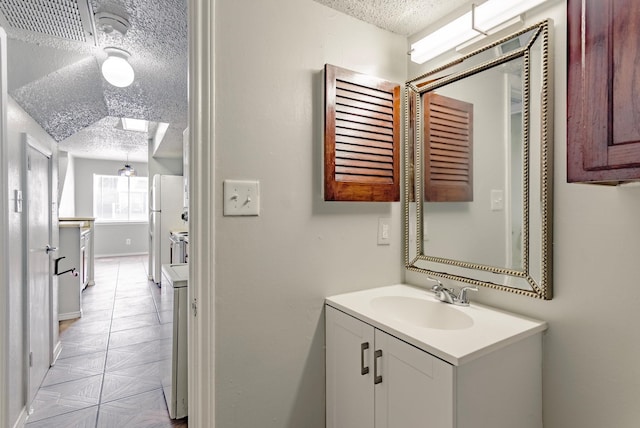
(241,197)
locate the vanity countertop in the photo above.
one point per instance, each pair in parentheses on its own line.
(491,328)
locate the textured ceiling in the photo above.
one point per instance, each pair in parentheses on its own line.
(107,136)
(404,17)
(58,82)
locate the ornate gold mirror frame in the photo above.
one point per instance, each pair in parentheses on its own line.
(529,279)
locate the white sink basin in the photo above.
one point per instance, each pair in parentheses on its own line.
(421,312)
(456,334)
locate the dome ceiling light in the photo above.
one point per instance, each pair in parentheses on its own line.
(116,68)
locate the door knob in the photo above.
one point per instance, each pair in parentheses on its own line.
(49,249)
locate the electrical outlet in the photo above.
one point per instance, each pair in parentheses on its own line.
(384,231)
(127,241)
(497,200)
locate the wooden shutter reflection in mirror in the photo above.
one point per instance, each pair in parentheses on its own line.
(448,149)
(361,137)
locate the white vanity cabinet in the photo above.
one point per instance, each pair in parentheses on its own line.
(384,374)
(376,380)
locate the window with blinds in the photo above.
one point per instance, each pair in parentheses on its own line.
(362,137)
(448,149)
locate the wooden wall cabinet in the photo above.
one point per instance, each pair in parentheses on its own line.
(603,93)
(361,137)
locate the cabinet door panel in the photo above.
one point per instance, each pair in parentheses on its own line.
(625,15)
(350,397)
(416,389)
(603,135)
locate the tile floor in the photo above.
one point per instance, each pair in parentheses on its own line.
(109,372)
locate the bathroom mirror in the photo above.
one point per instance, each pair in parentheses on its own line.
(478,167)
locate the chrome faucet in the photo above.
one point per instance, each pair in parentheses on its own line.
(448,295)
(444,294)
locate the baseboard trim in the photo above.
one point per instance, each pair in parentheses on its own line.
(69,315)
(56,352)
(102,256)
(22,419)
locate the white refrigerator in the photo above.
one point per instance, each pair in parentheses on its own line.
(164,216)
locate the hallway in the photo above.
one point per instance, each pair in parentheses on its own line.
(109,371)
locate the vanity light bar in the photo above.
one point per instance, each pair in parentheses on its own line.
(494,12)
(480,20)
(451,35)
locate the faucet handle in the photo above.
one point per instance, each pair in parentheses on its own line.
(438,286)
(463,300)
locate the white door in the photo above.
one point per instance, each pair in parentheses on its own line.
(414,389)
(349,354)
(38,267)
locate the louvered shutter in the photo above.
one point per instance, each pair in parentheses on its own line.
(448,149)
(362,137)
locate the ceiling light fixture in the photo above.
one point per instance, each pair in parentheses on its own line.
(109,22)
(480,20)
(116,68)
(127,170)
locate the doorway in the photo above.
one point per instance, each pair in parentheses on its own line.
(201,340)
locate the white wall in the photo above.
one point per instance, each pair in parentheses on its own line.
(591,371)
(84,170)
(273,271)
(19,122)
(110,239)
(170,166)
